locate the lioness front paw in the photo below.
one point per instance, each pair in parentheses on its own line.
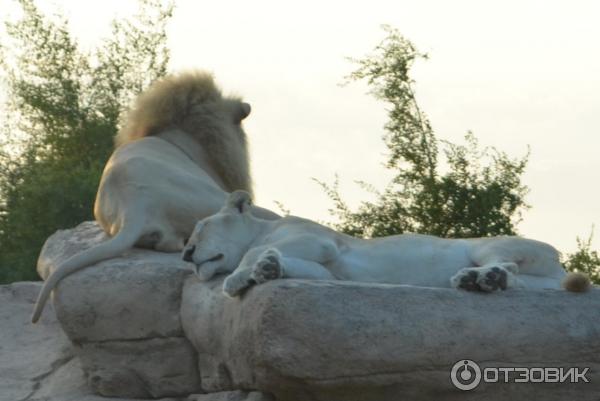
(204,273)
(234,285)
(268,267)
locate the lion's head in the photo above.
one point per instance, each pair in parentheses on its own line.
(192,102)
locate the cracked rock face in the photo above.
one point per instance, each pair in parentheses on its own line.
(37,362)
(29,354)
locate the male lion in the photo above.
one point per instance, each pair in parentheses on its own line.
(181,148)
(257,250)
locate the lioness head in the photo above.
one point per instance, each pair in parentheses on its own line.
(219,242)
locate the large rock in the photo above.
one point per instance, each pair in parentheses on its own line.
(143,326)
(136,296)
(308,340)
(123,317)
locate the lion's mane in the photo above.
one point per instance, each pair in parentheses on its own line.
(192,102)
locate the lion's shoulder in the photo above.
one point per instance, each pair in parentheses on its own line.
(151,150)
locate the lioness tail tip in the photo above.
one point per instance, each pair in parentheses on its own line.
(576,282)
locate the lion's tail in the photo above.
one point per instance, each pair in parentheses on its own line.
(167,103)
(124,240)
(576,282)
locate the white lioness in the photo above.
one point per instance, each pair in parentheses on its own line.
(257,250)
(181,149)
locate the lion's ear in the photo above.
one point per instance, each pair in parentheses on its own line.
(238,200)
(244,110)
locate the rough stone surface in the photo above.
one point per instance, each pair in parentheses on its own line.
(231,396)
(149,368)
(37,362)
(309,340)
(122,315)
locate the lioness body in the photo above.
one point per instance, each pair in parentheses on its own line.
(256,250)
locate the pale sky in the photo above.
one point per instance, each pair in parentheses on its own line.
(516,73)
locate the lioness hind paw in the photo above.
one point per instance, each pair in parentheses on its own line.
(482,279)
(465,279)
(493,278)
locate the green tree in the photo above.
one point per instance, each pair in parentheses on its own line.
(480,194)
(62,111)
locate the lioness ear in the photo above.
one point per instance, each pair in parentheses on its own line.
(239,200)
(244,110)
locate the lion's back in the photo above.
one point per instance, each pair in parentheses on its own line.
(150,171)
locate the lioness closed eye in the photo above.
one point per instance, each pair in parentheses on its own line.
(255,250)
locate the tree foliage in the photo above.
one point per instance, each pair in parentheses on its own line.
(477,193)
(62,111)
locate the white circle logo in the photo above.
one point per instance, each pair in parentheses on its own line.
(465,374)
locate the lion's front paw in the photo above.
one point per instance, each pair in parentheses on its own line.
(268,267)
(485,279)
